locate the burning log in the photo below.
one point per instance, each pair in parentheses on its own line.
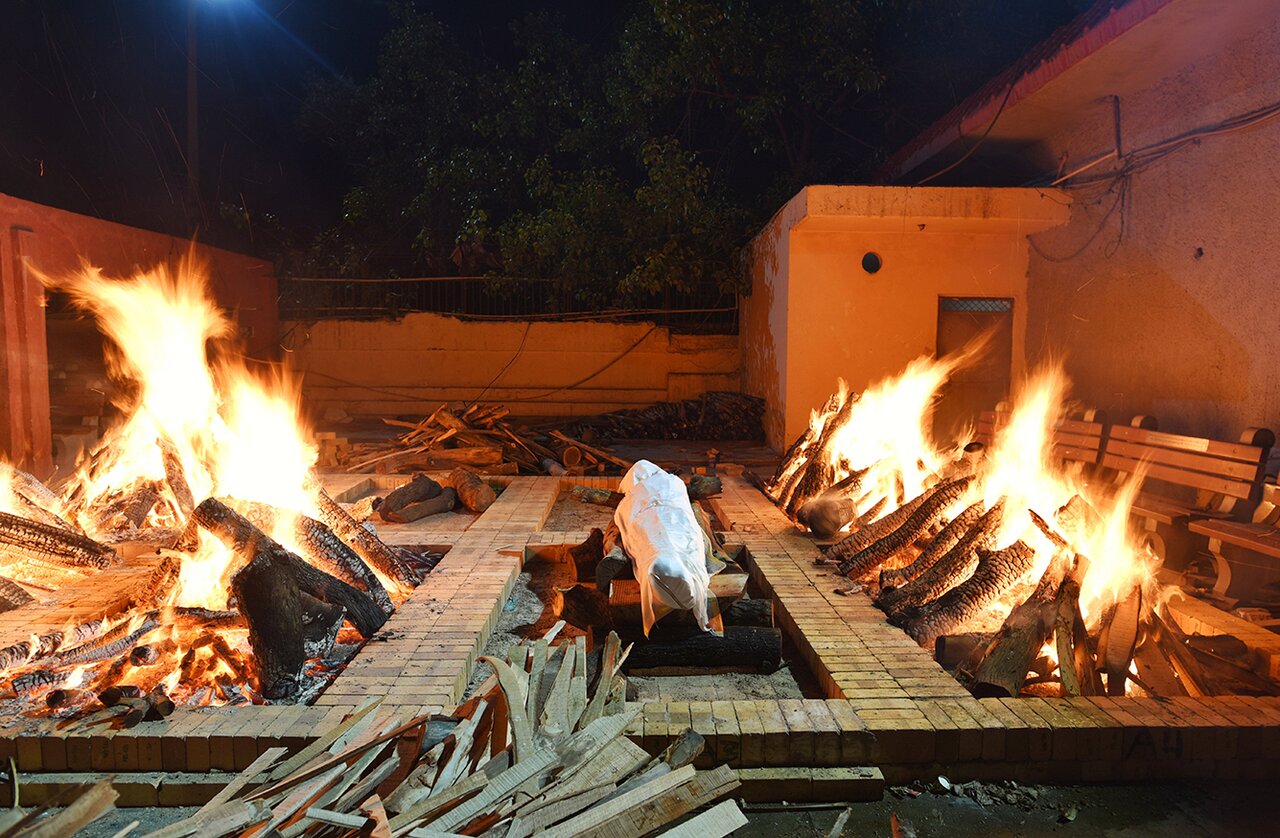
(474,493)
(117,642)
(319,545)
(237,533)
(936,548)
(954,565)
(176,476)
(67,697)
(953,651)
(937,501)
(366,544)
(37,680)
(817,471)
(1077,670)
(1122,640)
(269,598)
(130,509)
(12,595)
(34,512)
(22,539)
(795,458)
(742,648)
(864,537)
(1023,634)
(996,571)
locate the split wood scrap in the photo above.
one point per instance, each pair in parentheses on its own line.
(480,437)
(538,749)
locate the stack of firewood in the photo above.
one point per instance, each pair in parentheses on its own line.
(537,749)
(480,437)
(717,415)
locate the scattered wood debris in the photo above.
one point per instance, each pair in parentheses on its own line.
(537,749)
(479,437)
(717,415)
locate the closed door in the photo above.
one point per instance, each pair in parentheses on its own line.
(985,380)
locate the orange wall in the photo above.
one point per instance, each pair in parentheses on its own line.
(840,321)
(55,241)
(412,365)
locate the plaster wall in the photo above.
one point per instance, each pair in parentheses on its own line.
(1166,302)
(414,364)
(815,315)
(54,241)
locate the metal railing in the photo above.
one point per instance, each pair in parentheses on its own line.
(489,298)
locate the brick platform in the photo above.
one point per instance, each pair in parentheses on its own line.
(888,704)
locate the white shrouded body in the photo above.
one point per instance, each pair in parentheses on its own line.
(666,544)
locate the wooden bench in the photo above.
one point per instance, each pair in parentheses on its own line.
(1246,554)
(1186,478)
(1075,440)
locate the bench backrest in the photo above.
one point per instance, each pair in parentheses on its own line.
(1223,474)
(1078,440)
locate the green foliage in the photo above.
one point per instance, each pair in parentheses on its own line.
(618,165)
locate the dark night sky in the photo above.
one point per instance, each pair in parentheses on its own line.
(93,108)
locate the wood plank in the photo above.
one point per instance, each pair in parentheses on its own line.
(1180,459)
(1222,486)
(718,821)
(1230,450)
(1256,537)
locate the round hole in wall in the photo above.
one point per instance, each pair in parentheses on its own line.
(871,262)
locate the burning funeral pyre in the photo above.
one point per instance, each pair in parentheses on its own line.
(254,570)
(1018,568)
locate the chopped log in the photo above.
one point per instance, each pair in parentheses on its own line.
(1159,678)
(796,455)
(1122,640)
(474,493)
(1020,638)
(366,544)
(320,625)
(611,567)
(953,651)
(703,486)
(934,550)
(268,594)
(596,497)
(826,515)
(237,533)
(742,648)
(996,571)
(951,568)
(319,545)
(21,539)
(570,456)
(625,607)
(175,476)
(12,595)
(553,468)
(588,555)
(938,501)
(1202,672)
(864,537)
(418,489)
(443,502)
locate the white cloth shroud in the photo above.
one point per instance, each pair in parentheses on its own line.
(665,542)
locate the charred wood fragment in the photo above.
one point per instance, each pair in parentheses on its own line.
(269,597)
(23,539)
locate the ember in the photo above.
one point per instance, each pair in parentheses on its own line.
(1006,539)
(199,425)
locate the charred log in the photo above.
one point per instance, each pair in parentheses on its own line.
(130,509)
(366,544)
(417,490)
(270,600)
(443,502)
(996,572)
(936,502)
(12,595)
(934,550)
(953,651)
(703,486)
(948,571)
(741,648)
(320,546)
(247,541)
(23,539)
(865,536)
(320,625)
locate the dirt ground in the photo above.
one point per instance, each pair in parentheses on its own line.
(1184,810)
